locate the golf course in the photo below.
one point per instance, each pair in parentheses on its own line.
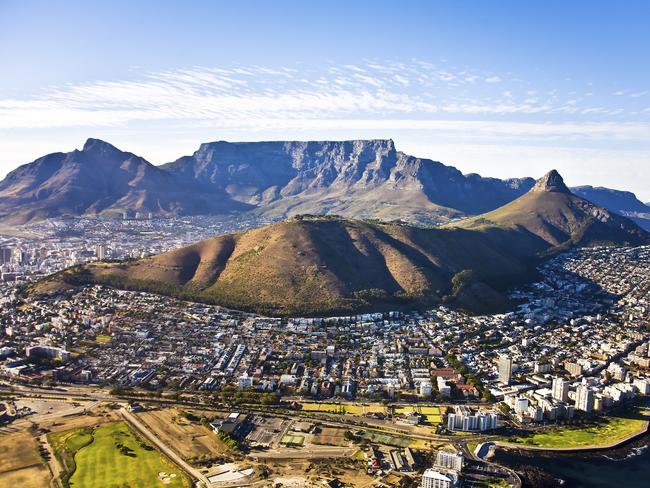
(111,455)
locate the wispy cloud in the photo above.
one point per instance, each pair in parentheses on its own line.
(371,94)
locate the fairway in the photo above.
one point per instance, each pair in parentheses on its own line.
(607,432)
(111,455)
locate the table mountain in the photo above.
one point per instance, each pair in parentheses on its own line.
(360,179)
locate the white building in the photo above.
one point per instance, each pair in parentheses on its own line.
(464,419)
(560,389)
(451,460)
(584,398)
(434,478)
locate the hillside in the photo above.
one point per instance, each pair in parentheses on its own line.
(321,265)
(99,179)
(621,202)
(553,213)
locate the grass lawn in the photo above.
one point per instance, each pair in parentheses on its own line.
(357,409)
(111,455)
(606,431)
(431,415)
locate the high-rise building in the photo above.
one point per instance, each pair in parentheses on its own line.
(584,398)
(505,369)
(426,388)
(5,255)
(464,419)
(435,478)
(574,369)
(560,389)
(100,252)
(451,460)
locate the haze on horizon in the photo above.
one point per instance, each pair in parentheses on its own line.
(502,89)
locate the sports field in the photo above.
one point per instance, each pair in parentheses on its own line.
(387,439)
(330,436)
(111,455)
(431,415)
(293,440)
(358,409)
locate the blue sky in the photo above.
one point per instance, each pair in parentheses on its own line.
(499,88)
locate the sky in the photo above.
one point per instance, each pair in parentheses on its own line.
(499,88)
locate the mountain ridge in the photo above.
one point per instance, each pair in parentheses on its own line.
(358,179)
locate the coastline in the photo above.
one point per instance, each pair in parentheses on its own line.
(542,468)
(582,449)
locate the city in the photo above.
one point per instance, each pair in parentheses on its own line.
(576,346)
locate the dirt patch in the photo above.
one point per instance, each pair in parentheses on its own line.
(191,440)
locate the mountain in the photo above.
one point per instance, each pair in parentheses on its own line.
(622,202)
(325,265)
(360,179)
(98,179)
(553,213)
(357,179)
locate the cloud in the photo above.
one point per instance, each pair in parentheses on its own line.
(493,79)
(417,93)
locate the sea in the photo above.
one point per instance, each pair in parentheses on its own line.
(628,467)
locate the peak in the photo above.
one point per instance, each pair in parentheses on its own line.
(98,145)
(551,181)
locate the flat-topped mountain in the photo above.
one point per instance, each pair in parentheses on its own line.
(324,265)
(357,179)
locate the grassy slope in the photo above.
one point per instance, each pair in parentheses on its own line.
(327,265)
(99,462)
(604,432)
(558,218)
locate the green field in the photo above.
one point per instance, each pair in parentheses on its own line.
(387,439)
(293,440)
(430,415)
(112,456)
(603,433)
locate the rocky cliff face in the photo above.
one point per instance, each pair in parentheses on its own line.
(362,179)
(302,175)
